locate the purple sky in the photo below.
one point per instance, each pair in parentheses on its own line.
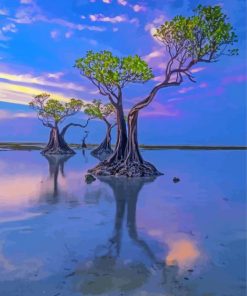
(40,40)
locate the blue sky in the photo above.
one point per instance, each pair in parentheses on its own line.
(40,40)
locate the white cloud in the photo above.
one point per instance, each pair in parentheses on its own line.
(56,75)
(116,19)
(54,34)
(9,28)
(151,27)
(122,2)
(107,1)
(69,34)
(26,1)
(9,115)
(138,8)
(101,18)
(6,29)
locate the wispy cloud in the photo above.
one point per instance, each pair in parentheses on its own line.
(26,1)
(9,115)
(158,109)
(115,19)
(33,13)
(152,26)
(184,90)
(19,94)
(135,7)
(138,8)
(234,79)
(8,28)
(198,69)
(40,80)
(152,55)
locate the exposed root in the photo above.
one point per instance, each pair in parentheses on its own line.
(57,150)
(125,169)
(102,153)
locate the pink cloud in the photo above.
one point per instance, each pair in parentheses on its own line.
(158,109)
(122,2)
(198,69)
(138,8)
(184,90)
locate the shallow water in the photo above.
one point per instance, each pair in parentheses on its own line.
(60,236)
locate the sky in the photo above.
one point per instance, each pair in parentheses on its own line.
(41,39)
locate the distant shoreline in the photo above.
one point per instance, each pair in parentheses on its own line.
(39,146)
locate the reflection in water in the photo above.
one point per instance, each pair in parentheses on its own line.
(108,271)
(183,252)
(51,190)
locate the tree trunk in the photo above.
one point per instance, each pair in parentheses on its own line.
(104,149)
(110,166)
(57,144)
(119,152)
(134,165)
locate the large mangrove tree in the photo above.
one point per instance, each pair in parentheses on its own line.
(204,37)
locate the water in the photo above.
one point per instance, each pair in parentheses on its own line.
(60,236)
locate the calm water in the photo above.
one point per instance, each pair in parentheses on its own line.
(60,236)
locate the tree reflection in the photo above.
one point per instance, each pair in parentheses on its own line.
(51,190)
(106,271)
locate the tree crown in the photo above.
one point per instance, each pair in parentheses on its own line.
(109,72)
(97,109)
(203,37)
(51,111)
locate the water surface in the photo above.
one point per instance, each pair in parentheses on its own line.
(60,236)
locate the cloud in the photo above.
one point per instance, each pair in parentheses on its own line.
(184,90)
(158,109)
(152,55)
(234,79)
(9,28)
(135,7)
(116,19)
(19,94)
(54,34)
(138,8)
(26,1)
(68,34)
(9,115)
(56,75)
(33,13)
(107,1)
(40,80)
(151,27)
(198,69)
(122,2)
